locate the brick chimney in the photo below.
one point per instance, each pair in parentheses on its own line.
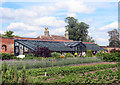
(67,34)
(46,32)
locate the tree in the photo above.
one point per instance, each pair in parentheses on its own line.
(0,35)
(8,34)
(90,39)
(114,38)
(77,29)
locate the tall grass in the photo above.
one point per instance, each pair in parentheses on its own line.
(48,62)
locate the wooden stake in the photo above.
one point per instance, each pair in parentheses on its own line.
(52,61)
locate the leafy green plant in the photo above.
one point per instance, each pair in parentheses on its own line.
(7,56)
(89,53)
(55,54)
(68,55)
(111,57)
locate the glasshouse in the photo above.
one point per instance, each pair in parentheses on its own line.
(29,46)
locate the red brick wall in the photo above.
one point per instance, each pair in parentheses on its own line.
(9,43)
(41,39)
(111,48)
(26,38)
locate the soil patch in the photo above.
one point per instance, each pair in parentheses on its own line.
(95,63)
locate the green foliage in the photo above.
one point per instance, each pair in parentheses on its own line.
(9,33)
(4,67)
(48,62)
(24,79)
(112,57)
(114,51)
(12,75)
(65,74)
(29,56)
(89,39)
(89,53)
(80,74)
(55,54)
(77,30)
(7,56)
(68,55)
(114,38)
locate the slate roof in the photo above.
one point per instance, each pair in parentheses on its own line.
(53,46)
(57,46)
(93,47)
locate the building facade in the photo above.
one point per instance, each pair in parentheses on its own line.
(56,43)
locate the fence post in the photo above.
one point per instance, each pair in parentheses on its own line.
(52,61)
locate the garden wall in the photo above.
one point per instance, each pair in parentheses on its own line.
(7,45)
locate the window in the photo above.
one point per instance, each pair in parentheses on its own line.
(4,48)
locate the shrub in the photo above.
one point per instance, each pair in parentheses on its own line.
(68,55)
(42,52)
(62,56)
(114,51)
(7,56)
(55,54)
(111,57)
(89,53)
(29,56)
(98,54)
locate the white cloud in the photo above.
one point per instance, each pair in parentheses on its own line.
(110,26)
(58,31)
(2,32)
(44,10)
(29,14)
(23,27)
(75,6)
(25,30)
(102,39)
(71,14)
(31,34)
(49,21)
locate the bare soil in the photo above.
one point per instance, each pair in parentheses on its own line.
(95,63)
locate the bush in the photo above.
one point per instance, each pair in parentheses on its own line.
(55,54)
(29,56)
(68,55)
(114,51)
(62,56)
(42,52)
(89,53)
(7,56)
(111,57)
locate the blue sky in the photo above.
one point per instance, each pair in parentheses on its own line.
(28,19)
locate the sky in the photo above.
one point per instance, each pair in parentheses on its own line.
(28,19)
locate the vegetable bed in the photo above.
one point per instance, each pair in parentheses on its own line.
(100,73)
